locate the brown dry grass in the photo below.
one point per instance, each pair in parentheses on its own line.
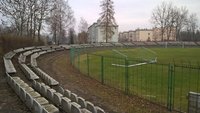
(10,43)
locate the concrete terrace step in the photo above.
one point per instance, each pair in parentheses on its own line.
(32,99)
(28,72)
(67,101)
(9,66)
(47,79)
(9,55)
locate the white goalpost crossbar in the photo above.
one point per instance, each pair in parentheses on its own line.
(120,53)
(138,64)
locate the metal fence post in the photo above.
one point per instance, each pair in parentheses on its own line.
(79,59)
(102,69)
(170,95)
(71,52)
(126,77)
(88,65)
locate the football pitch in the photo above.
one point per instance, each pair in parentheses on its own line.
(166,82)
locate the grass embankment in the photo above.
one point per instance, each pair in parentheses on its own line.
(149,81)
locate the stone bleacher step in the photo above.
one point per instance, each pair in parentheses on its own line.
(9,66)
(28,72)
(30,97)
(65,100)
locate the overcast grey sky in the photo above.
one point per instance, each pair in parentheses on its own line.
(129,14)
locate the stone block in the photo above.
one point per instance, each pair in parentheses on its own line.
(9,67)
(37,108)
(67,93)
(23,85)
(100,110)
(81,102)
(30,97)
(20,85)
(16,78)
(18,81)
(16,88)
(85,111)
(50,94)
(61,90)
(74,97)
(66,104)
(44,90)
(75,108)
(49,108)
(28,89)
(57,99)
(22,94)
(37,104)
(8,79)
(34,84)
(38,87)
(53,82)
(91,107)
(42,100)
(13,84)
(46,79)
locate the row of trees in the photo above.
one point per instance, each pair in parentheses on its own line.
(168,17)
(29,17)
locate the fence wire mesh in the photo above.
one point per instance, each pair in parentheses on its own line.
(163,84)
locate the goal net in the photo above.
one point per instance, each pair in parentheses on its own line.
(136,57)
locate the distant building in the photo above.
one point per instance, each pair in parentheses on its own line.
(167,36)
(147,35)
(132,36)
(137,35)
(95,34)
(144,34)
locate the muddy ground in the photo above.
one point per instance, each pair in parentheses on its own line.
(111,100)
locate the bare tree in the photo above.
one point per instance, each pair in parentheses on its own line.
(171,18)
(181,16)
(15,11)
(44,7)
(61,18)
(83,27)
(161,17)
(107,20)
(192,25)
(26,15)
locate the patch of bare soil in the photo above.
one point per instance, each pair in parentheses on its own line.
(111,100)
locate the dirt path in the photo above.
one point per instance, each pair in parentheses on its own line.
(58,66)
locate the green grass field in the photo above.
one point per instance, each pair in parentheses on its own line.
(150,81)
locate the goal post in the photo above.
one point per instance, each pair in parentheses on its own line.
(142,56)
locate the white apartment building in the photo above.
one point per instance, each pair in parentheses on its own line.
(96,34)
